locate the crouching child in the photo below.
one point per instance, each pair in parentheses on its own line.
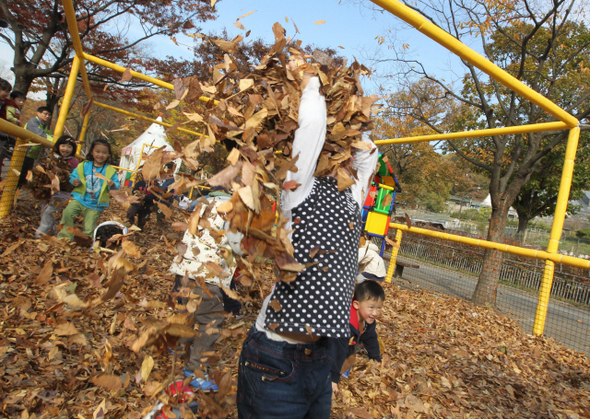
(367,303)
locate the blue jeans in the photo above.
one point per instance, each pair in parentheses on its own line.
(283,380)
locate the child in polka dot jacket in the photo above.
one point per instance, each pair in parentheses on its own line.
(284,370)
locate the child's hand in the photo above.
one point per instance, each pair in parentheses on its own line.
(334,388)
(110,183)
(76,182)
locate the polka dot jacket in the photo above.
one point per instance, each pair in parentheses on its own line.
(319,299)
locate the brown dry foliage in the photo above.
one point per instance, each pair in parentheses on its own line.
(442,358)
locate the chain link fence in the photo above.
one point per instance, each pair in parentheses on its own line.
(453,269)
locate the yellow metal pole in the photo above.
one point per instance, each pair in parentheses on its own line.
(11,183)
(19,132)
(556,229)
(145,118)
(83,132)
(16,162)
(457,47)
(137,75)
(67,100)
(394,252)
(521,129)
(515,250)
(73,28)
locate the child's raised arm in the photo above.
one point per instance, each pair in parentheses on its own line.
(308,143)
(364,162)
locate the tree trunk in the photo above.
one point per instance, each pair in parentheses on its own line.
(487,285)
(523,224)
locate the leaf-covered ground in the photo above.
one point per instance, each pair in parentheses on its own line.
(60,358)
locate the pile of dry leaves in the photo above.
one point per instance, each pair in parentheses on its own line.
(70,333)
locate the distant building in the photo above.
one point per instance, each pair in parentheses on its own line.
(583,202)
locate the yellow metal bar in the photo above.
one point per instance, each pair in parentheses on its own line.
(394,252)
(145,118)
(122,168)
(556,229)
(19,132)
(521,129)
(73,28)
(11,183)
(137,75)
(83,133)
(386,187)
(515,250)
(67,99)
(457,47)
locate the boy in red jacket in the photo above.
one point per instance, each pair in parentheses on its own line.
(367,302)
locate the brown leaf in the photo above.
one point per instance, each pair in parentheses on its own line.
(361,412)
(165,209)
(45,274)
(115,285)
(126,75)
(276,305)
(291,185)
(179,226)
(66,329)
(226,46)
(121,196)
(109,382)
(151,168)
(408,220)
(131,249)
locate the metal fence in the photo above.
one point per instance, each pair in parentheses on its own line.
(453,269)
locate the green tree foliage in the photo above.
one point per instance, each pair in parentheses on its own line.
(542,44)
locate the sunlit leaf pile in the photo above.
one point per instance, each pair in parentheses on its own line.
(69,330)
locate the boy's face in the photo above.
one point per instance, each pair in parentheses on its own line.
(369,309)
(4,94)
(20,101)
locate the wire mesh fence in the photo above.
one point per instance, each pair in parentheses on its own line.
(450,268)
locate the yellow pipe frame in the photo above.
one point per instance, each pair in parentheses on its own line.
(73,28)
(451,43)
(515,250)
(145,118)
(83,133)
(521,129)
(19,132)
(394,252)
(137,75)
(67,99)
(556,229)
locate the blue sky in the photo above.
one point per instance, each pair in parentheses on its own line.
(346,25)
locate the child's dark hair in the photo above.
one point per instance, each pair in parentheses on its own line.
(65,139)
(15,93)
(368,290)
(42,109)
(96,142)
(4,85)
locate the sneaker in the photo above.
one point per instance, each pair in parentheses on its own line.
(200,383)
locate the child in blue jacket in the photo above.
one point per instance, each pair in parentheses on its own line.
(92,181)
